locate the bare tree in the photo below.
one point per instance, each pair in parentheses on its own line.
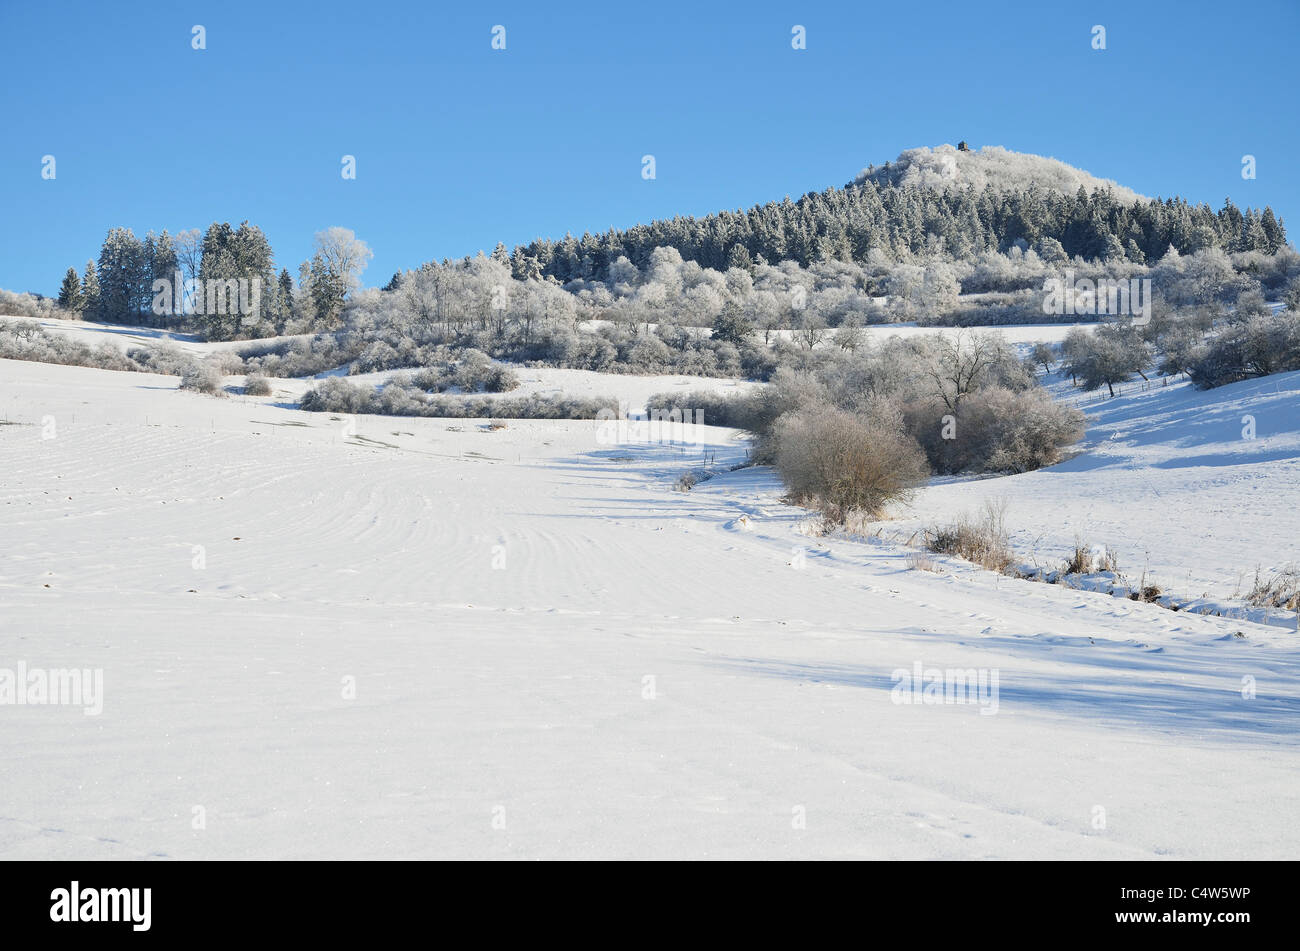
(960,364)
(188,246)
(344,255)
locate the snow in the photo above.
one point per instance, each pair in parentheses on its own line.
(641,676)
(1165,480)
(630,390)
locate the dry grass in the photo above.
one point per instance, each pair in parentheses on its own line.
(1086,559)
(981,539)
(920,561)
(1282,590)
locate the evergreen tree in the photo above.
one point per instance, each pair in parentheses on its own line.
(217,266)
(121,272)
(739,257)
(90,290)
(284,301)
(328,289)
(1273,232)
(165,265)
(732,326)
(70,292)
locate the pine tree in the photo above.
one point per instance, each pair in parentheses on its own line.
(1273,232)
(217,265)
(164,268)
(739,257)
(121,270)
(284,300)
(70,292)
(90,290)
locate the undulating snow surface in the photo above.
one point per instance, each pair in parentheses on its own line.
(1196,492)
(556,655)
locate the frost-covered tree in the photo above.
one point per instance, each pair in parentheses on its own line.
(70,292)
(123,288)
(732,326)
(339,260)
(89,289)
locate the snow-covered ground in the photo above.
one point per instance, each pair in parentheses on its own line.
(126,337)
(1194,490)
(425,638)
(630,390)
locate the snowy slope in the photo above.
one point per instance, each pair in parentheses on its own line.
(500,599)
(1167,480)
(946,167)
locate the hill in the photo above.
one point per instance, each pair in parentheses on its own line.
(947,167)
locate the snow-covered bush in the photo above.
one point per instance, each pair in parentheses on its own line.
(831,459)
(401,398)
(256,385)
(998,430)
(1255,347)
(202,378)
(27,340)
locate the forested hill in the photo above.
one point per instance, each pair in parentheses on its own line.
(912,207)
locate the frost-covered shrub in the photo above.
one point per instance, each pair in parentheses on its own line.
(202,378)
(166,359)
(304,356)
(649,355)
(1256,347)
(338,395)
(501,380)
(13,304)
(1180,347)
(477,373)
(698,362)
(831,459)
(27,340)
(1109,355)
(996,430)
(402,398)
(256,385)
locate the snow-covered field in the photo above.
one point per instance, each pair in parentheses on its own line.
(1195,491)
(424,638)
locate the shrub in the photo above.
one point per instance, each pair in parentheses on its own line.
(995,430)
(27,340)
(337,395)
(1282,590)
(398,398)
(1110,355)
(500,379)
(832,460)
(202,378)
(1254,347)
(256,385)
(980,539)
(166,359)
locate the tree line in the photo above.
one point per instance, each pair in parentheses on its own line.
(222,281)
(903,221)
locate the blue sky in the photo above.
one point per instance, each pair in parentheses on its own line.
(459,146)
